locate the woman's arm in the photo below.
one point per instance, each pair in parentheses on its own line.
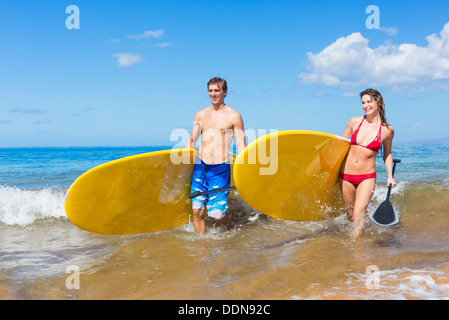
(347,133)
(388,157)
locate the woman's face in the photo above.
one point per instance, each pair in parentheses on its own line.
(369,105)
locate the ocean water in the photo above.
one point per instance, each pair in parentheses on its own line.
(44,256)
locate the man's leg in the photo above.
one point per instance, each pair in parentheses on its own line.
(198,220)
(227,221)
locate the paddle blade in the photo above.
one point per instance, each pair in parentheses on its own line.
(385,215)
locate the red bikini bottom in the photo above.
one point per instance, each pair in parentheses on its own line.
(356,179)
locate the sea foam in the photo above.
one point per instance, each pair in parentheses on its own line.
(24,207)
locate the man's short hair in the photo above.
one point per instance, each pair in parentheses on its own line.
(221,83)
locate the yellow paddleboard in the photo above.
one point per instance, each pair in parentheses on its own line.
(142,193)
(292,175)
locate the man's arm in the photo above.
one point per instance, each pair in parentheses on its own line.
(239,132)
(196,131)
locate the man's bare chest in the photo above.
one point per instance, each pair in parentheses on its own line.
(219,122)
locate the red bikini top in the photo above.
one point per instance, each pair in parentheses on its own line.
(374,145)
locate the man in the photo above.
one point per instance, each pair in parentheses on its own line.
(217,124)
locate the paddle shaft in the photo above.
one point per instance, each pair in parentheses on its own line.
(389,187)
(202,193)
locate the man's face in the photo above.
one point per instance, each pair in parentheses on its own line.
(216,94)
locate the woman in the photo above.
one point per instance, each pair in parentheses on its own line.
(358,173)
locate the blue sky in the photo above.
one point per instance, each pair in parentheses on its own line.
(135,72)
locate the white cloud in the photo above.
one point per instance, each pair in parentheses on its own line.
(350,62)
(28,110)
(43,121)
(322,94)
(113,41)
(391,31)
(126,60)
(147,34)
(163,44)
(349,94)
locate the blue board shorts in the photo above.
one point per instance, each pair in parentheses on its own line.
(209,177)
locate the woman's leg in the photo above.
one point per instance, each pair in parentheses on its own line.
(356,199)
(363,195)
(348,194)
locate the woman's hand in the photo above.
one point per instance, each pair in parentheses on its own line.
(391,182)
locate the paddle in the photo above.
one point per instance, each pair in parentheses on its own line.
(384,214)
(201,193)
